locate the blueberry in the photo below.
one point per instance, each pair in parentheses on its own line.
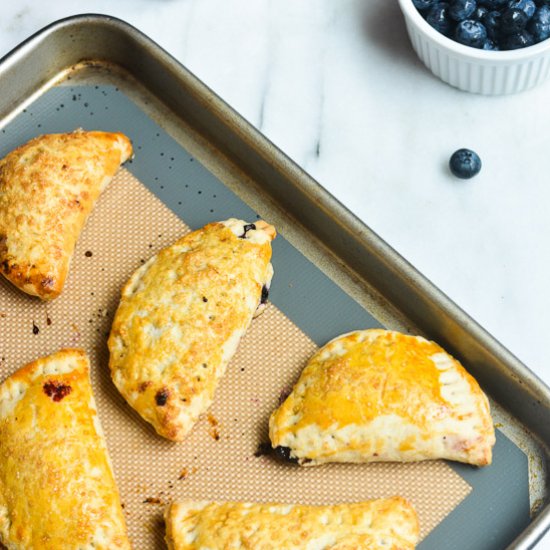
(528,6)
(493,4)
(543,15)
(489,24)
(521,39)
(465,163)
(513,21)
(422,5)
(438,18)
(480,13)
(459,10)
(471,33)
(489,45)
(491,21)
(539,26)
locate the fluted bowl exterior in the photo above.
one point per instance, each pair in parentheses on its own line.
(471,69)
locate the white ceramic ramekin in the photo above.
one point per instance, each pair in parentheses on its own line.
(473,70)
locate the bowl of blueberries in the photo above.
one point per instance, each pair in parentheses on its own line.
(489,47)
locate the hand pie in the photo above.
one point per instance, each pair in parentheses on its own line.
(377,395)
(385,524)
(57,488)
(181,317)
(48,188)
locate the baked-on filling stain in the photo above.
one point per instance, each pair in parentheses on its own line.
(56,390)
(143,386)
(47,282)
(264,449)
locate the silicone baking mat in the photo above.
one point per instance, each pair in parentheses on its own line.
(160,195)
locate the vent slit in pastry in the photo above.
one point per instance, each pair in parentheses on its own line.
(48,187)
(181,317)
(57,488)
(377,395)
(385,524)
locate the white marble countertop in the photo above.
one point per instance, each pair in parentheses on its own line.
(337,86)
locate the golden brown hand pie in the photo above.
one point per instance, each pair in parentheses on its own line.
(57,488)
(181,317)
(385,524)
(48,188)
(377,395)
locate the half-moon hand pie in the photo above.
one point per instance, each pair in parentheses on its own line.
(57,488)
(385,524)
(48,187)
(181,317)
(377,395)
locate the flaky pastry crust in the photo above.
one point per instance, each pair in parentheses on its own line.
(57,488)
(181,317)
(378,395)
(384,524)
(48,187)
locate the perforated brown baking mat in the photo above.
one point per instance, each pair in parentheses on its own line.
(152,202)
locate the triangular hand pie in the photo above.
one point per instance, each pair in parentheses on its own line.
(57,488)
(48,188)
(385,524)
(377,395)
(181,317)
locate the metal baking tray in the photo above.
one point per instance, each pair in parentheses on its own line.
(334,274)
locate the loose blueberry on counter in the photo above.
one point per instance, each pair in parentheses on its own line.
(438,18)
(462,9)
(465,163)
(471,33)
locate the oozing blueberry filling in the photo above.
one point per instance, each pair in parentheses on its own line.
(248,227)
(283,453)
(265,295)
(161,397)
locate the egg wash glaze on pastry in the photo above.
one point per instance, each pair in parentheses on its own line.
(378,395)
(181,317)
(384,524)
(57,488)
(48,187)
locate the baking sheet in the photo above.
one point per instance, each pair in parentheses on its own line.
(159,196)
